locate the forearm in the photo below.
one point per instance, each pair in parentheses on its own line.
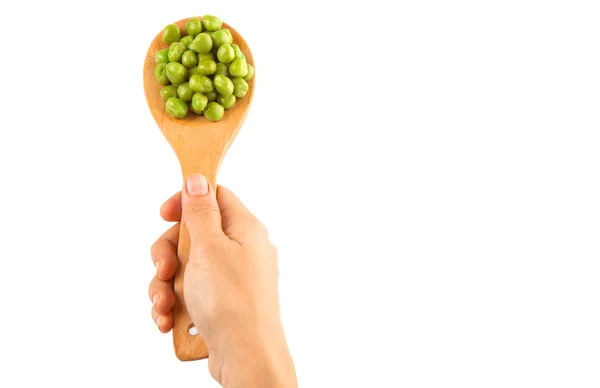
(259,363)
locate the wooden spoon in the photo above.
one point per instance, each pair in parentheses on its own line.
(200,146)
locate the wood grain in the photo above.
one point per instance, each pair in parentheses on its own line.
(200,146)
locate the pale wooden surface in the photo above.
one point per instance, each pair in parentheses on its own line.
(200,146)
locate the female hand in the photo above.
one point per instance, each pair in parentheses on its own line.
(230,286)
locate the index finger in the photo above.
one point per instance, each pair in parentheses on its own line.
(171,209)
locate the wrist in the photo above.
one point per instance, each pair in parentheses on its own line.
(261,361)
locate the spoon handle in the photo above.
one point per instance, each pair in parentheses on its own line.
(189,346)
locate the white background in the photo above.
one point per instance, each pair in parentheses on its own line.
(429,171)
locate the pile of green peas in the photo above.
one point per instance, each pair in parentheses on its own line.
(202,70)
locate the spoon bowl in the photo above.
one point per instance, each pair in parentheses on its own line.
(200,146)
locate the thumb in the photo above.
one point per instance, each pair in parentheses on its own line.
(199,208)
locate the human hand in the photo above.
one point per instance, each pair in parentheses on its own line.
(230,286)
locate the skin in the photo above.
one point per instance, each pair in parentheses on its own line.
(230,286)
(171,34)
(214,111)
(223,85)
(226,54)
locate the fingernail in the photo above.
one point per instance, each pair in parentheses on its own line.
(157,265)
(155,300)
(196,185)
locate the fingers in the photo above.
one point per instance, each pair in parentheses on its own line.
(164,256)
(164,253)
(162,296)
(163,322)
(200,210)
(163,299)
(171,209)
(236,220)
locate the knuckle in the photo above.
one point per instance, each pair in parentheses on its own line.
(153,248)
(257,226)
(158,249)
(202,208)
(152,287)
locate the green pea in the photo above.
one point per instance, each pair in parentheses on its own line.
(176,73)
(222,69)
(193,26)
(188,59)
(226,53)
(238,68)
(223,85)
(167,92)
(171,34)
(191,71)
(238,52)
(199,102)
(160,73)
(186,40)
(205,57)
(185,92)
(214,53)
(201,84)
(212,96)
(221,37)
(162,56)
(227,102)
(176,51)
(240,87)
(201,44)
(211,23)
(228,34)
(207,67)
(176,107)
(248,76)
(214,111)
